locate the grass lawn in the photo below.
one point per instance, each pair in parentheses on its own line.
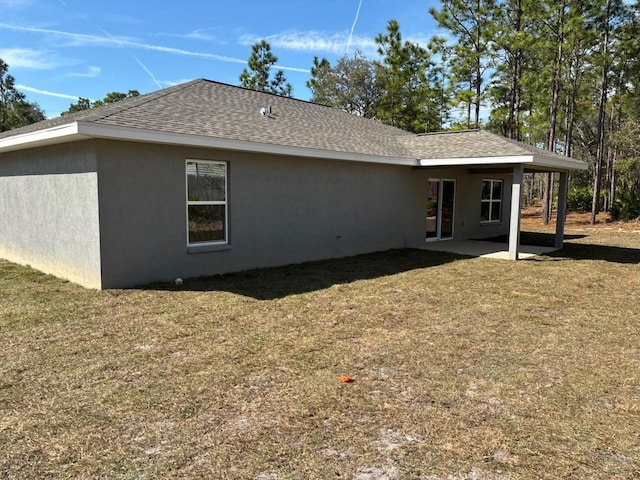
(463,369)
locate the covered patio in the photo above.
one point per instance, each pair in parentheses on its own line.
(515,159)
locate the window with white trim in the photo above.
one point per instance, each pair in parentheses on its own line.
(491,202)
(206,202)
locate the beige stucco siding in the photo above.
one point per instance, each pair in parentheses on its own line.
(282,210)
(49,211)
(109,214)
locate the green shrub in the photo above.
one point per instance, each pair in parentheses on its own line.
(579,199)
(626,208)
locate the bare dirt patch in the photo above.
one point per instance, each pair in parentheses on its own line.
(532,220)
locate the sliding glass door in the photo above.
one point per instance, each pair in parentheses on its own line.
(440,209)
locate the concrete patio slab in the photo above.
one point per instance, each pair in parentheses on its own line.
(479,248)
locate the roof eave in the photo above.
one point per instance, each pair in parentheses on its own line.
(50,136)
(85,130)
(539,162)
(475,161)
(544,162)
(112,132)
(80,130)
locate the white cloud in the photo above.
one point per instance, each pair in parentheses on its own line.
(92,72)
(27,58)
(199,35)
(335,43)
(315,41)
(204,34)
(15,3)
(173,83)
(209,35)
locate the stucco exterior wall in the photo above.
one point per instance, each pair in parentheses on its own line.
(282,210)
(111,214)
(468,194)
(49,211)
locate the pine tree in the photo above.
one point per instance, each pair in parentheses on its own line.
(257,75)
(471,22)
(406,74)
(608,20)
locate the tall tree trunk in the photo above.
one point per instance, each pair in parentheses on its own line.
(513,117)
(547,197)
(469,106)
(602,114)
(610,160)
(530,183)
(571,110)
(442,97)
(612,177)
(478,73)
(478,85)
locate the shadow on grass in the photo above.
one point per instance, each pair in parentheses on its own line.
(583,251)
(280,282)
(574,250)
(534,238)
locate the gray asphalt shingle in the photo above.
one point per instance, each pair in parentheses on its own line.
(211,109)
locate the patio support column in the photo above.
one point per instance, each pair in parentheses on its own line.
(562,209)
(516,201)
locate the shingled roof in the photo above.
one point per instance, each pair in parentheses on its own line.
(256,121)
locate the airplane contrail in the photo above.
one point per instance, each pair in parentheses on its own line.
(353,27)
(47,92)
(88,39)
(153,77)
(147,71)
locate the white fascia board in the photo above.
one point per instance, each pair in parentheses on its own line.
(539,161)
(150,136)
(59,134)
(558,163)
(473,161)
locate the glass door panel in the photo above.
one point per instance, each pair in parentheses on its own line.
(448,193)
(433,196)
(440,206)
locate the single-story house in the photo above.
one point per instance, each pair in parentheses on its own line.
(205,178)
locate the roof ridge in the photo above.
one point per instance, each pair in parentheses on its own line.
(240,87)
(448,132)
(138,101)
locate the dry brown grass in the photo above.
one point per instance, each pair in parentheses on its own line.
(463,368)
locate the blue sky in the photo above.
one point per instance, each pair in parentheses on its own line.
(59,50)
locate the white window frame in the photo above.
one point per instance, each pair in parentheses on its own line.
(492,201)
(224,202)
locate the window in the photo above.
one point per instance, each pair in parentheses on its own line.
(206,202)
(491,206)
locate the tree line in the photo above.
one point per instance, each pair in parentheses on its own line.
(15,110)
(559,74)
